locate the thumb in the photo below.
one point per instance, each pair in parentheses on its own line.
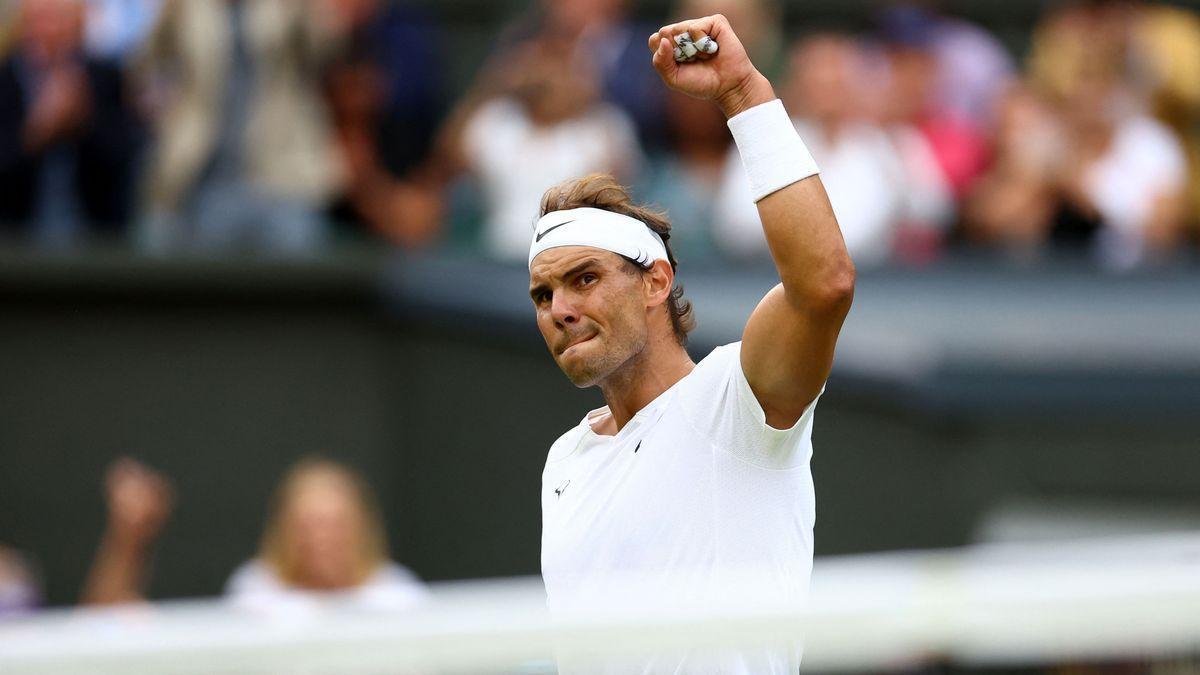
(664,60)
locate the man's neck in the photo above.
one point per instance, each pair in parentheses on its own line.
(643,379)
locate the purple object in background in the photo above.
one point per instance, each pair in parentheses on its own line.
(19,592)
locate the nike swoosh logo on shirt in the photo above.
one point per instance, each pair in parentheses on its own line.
(548,230)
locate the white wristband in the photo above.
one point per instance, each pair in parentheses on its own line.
(771,150)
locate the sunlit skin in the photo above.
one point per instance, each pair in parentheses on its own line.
(607,325)
(323,527)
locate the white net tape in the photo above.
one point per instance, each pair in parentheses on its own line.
(982,605)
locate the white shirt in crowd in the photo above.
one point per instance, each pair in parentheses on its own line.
(1144,162)
(875,182)
(695,493)
(516,161)
(391,587)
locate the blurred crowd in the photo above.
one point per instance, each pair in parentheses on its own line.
(323,543)
(280,126)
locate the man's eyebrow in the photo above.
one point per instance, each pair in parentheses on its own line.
(581,267)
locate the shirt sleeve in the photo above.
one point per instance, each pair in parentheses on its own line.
(719,402)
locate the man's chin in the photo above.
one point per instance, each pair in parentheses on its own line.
(579,374)
(583,381)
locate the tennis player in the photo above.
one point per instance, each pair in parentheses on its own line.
(694,474)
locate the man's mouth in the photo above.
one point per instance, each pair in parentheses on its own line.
(576,341)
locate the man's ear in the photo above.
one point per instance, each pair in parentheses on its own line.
(657,283)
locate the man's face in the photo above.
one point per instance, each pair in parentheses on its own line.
(591,310)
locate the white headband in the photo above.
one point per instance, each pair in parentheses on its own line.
(600,229)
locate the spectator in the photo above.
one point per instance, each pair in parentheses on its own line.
(922,67)
(67,141)
(384,96)
(18,587)
(324,534)
(244,154)
(1127,171)
(1014,205)
(1152,55)
(531,121)
(1166,42)
(139,502)
(874,198)
(973,69)
(614,45)
(324,540)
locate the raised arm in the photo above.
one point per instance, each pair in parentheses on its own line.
(139,503)
(788,343)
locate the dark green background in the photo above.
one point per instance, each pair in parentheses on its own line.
(222,374)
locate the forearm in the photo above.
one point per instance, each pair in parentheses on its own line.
(118,573)
(806,245)
(797,219)
(789,339)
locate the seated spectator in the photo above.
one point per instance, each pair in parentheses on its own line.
(929,123)
(67,141)
(18,587)
(614,43)
(324,534)
(972,68)
(1079,164)
(1126,171)
(875,199)
(1014,204)
(1123,185)
(385,100)
(1166,47)
(244,156)
(534,120)
(324,541)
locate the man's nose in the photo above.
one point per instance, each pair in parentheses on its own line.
(563,310)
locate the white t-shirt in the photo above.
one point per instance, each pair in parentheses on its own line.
(391,587)
(695,491)
(517,160)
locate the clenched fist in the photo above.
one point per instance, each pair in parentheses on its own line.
(139,501)
(727,78)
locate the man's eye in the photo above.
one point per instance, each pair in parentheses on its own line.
(543,297)
(585,279)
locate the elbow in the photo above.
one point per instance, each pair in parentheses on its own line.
(834,293)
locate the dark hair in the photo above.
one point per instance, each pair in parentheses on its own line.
(602,191)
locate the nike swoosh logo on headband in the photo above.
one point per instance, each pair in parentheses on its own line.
(548,230)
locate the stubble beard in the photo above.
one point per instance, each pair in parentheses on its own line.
(600,367)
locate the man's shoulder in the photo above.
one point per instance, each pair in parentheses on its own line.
(715,366)
(707,389)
